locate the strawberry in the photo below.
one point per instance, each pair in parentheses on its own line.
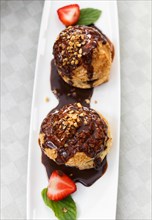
(60,186)
(69,14)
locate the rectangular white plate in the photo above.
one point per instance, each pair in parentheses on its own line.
(99,200)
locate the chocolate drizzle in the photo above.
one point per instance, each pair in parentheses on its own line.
(105,39)
(74,47)
(66,94)
(73,129)
(86,177)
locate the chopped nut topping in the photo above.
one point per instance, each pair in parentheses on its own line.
(73,38)
(75,116)
(79,105)
(78,120)
(72,111)
(64,209)
(75,124)
(76,62)
(55,91)
(71,44)
(65,129)
(85,122)
(80,51)
(82,114)
(78,45)
(47,99)
(87,101)
(83,43)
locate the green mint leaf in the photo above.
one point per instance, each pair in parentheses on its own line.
(64,209)
(88,16)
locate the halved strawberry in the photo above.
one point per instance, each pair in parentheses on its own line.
(60,186)
(69,14)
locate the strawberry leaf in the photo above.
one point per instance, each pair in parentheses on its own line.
(64,209)
(88,16)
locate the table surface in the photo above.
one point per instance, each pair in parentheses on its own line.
(20,24)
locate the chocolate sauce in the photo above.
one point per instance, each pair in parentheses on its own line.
(74,47)
(67,94)
(73,129)
(86,177)
(105,39)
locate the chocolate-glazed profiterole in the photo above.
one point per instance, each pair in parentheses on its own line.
(75,136)
(83,56)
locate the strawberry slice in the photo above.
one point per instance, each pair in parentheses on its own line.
(69,14)
(60,186)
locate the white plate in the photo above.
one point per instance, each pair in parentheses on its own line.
(99,200)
